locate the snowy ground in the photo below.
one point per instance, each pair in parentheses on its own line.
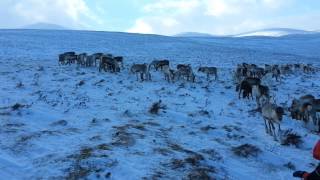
(76,122)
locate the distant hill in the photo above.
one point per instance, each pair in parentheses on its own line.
(193,34)
(274,32)
(44,26)
(271,32)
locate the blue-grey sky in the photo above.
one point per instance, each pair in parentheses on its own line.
(164,16)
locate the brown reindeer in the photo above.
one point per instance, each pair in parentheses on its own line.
(185,71)
(67,58)
(159,64)
(260,90)
(168,73)
(209,71)
(109,63)
(141,69)
(246,86)
(299,107)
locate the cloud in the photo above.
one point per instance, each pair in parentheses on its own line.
(162,16)
(219,8)
(152,25)
(275,3)
(169,22)
(141,26)
(213,16)
(172,6)
(70,13)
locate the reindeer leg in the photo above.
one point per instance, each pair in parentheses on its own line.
(274,131)
(248,95)
(318,124)
(279,131)
(270,130)
(313,121)
(270,127)
(257,101)
(265,125)
(314,118)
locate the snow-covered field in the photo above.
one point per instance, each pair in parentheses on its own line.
(70,122)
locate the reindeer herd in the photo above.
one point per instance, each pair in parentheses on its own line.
(248,79)
(108,62)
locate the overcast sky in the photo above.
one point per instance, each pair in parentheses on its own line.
(163,16)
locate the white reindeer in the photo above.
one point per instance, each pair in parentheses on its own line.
(272,114)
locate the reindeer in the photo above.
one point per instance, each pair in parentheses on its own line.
(257,72)
(90,60)
(141,69)
(297,67)
(307,68)
(109,63)
(67,58)
(185,71)
(272,114)
(158,64)
(168,73)
(61,59)
(252,70)
(238,74)
(315,112)
(253,81)
(246,88)
(259,91)
(119,60)
(311,111)
(209,71)
(82,59)
(95,57)
(183,66)
(267,68)
(276,73)
(286,69)
(299,107)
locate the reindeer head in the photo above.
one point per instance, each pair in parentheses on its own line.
(294,105)
(238,87)
(280,112)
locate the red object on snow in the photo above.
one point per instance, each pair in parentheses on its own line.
(316,151)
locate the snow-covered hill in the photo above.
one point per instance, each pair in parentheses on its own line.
(306,45)
(270,32)
(60,122)
(274,32)
(193,34)
(44,26)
